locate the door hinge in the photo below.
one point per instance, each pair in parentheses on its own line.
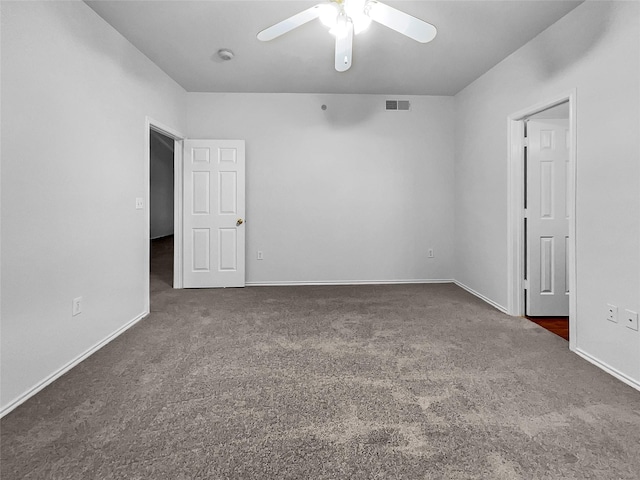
(525,141)
(525,283)
(525,213)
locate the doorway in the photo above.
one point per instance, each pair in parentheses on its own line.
(161,209)
(173,140)
(542,163)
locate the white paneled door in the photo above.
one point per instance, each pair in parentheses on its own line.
(547,217)
(213,216)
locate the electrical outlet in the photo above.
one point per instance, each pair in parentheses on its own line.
(139,203)
(430,253)
(76,306)
(612,313)
(631,320)
(260,256)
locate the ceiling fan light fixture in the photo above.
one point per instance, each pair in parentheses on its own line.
(341,26)
(356,10)
(329,14)
(360,23)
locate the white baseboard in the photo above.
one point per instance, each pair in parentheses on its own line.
(481,297)
(344,282)
(58,373)
(609,369)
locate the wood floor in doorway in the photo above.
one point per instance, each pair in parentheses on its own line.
(161,263)
(557,325)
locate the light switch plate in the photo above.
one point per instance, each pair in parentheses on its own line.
(612,313)
(76,306)
(139,203)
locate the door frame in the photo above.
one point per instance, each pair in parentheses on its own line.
(178,138)
(515,202)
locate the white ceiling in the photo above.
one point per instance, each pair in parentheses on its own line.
(183,36)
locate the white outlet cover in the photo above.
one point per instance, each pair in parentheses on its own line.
(631,320)
(139,203)
(612,313)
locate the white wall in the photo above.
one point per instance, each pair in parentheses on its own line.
(350,194)
(161,198)
(595,49)
(74,99)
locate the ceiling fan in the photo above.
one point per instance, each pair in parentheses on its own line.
(344,18)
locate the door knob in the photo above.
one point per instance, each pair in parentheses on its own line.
(239,222)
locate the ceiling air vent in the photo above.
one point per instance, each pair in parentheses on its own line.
(397,105)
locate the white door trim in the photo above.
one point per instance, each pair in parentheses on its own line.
(151,124)
(515,192)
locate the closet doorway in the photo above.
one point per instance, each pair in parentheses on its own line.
(541,228)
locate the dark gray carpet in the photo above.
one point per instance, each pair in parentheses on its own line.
(362,382)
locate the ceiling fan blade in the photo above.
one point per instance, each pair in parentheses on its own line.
(344,45)
(401,22)
(280,28)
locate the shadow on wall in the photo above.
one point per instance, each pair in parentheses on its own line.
(339,115)
(549,61)
(101,42)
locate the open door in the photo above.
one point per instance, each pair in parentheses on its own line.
(213,213)
(547,217)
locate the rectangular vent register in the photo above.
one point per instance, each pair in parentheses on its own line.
(397,105)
